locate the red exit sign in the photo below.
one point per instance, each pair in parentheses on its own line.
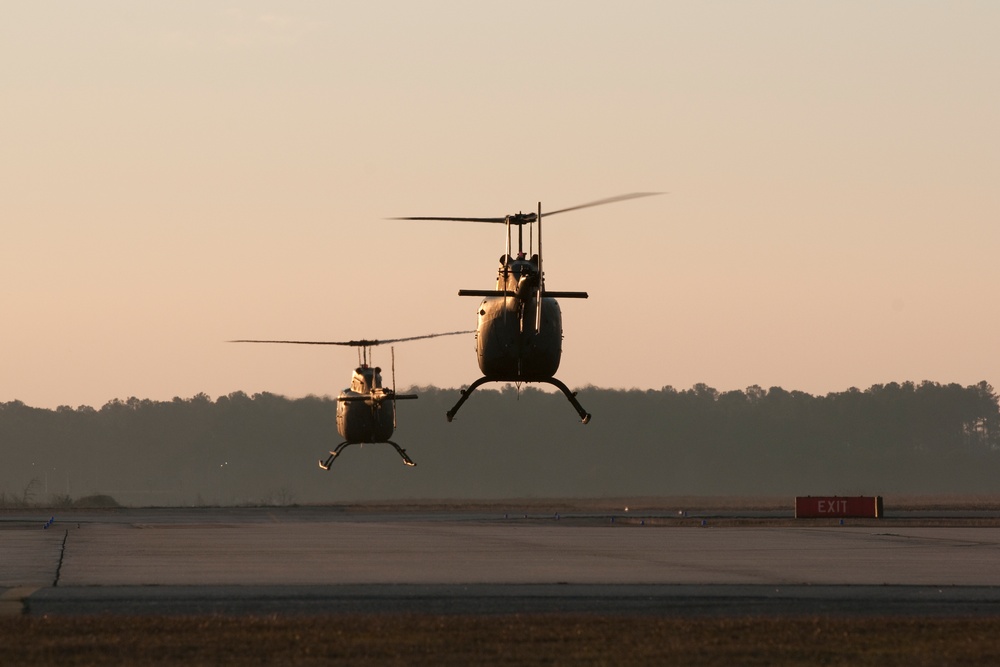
(811,507)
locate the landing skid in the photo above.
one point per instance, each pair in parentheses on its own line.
(402,452)
(325,465)
(571,396)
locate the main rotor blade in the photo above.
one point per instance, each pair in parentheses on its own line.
(354,343)
(431,217)
(528,218)
(609,200)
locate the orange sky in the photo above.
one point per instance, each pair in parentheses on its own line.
(177,174)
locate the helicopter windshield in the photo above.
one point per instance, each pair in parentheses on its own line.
(519,266)
(513,271)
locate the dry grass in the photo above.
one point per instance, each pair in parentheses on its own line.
(496,640)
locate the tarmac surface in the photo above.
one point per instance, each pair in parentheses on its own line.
(313,560)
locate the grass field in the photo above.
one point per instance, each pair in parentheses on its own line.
(499,640)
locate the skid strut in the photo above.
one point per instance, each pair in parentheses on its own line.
(334,453)
(584,415)
(571,396)
(465,396)
(402,452)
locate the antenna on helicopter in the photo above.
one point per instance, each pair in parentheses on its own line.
(392,352)
(541,276)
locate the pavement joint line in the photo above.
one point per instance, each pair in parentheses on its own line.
(12,600)
(62,554)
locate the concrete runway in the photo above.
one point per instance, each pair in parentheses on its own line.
(321,560)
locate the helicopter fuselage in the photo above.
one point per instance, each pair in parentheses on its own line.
(510,347)
(519,336)
(364,411)
(363,418)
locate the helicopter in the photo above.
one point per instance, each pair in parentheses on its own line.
(519,334)
(362,416)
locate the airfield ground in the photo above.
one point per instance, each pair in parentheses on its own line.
(850,635)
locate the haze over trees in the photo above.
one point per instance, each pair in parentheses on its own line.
(888,439)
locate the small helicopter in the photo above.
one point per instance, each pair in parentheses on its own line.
(519,335)
(362,417)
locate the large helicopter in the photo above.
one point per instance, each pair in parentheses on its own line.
(519,335)
(362,414)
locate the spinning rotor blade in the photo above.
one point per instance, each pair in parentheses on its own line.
(527,218)
(354,343)
(609,200)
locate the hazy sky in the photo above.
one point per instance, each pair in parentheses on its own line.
(177,174)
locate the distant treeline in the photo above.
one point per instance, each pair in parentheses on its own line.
(510,443)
